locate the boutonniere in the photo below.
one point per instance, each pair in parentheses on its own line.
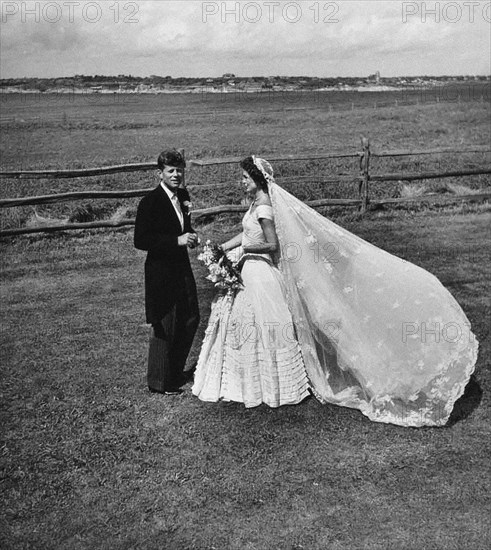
(187,206)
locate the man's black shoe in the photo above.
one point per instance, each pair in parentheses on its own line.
(172,391)
(175,391)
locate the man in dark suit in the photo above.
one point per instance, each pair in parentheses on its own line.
(163,229)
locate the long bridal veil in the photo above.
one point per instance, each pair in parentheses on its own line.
(377,333)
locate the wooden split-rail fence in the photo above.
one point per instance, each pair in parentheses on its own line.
(363,179)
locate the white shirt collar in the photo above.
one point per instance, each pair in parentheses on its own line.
(170,194)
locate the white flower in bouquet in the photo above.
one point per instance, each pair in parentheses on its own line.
(221,271)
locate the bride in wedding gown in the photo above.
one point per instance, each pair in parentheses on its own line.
(325,311)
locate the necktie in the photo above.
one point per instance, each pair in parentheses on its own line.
(177,208)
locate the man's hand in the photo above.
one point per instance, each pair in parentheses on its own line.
(188,239)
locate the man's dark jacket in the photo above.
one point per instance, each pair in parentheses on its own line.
(157,228)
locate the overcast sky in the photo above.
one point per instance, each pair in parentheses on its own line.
(191,38)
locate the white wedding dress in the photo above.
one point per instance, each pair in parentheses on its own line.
(371,330)
(249,353)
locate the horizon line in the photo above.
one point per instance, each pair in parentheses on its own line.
(229,75)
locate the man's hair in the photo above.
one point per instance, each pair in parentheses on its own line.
(172,157)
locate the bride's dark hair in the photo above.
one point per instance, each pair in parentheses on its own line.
(248,165)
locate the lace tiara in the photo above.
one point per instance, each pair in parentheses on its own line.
(265,168)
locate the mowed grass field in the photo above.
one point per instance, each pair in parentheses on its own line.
(91,460)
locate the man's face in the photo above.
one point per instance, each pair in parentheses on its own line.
(172,176)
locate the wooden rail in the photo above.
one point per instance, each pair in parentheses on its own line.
(75,195)
(363,180)
(429,152)
(81,195)
(81,173)
(273,158)
(66,227)
(405,176)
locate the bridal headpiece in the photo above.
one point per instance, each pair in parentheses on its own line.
(265,168)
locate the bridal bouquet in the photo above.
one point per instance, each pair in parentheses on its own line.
(222,271)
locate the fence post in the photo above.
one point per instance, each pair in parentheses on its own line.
(365,174)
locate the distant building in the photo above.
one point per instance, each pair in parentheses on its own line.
(374,78)
(228,75)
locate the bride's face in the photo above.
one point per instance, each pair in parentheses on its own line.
(249,184)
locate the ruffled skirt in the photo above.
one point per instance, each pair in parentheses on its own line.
(249,352)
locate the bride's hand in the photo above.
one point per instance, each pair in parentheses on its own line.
(235,254)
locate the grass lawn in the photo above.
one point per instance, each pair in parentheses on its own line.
(91,460)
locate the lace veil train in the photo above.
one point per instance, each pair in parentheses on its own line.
(377,333)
